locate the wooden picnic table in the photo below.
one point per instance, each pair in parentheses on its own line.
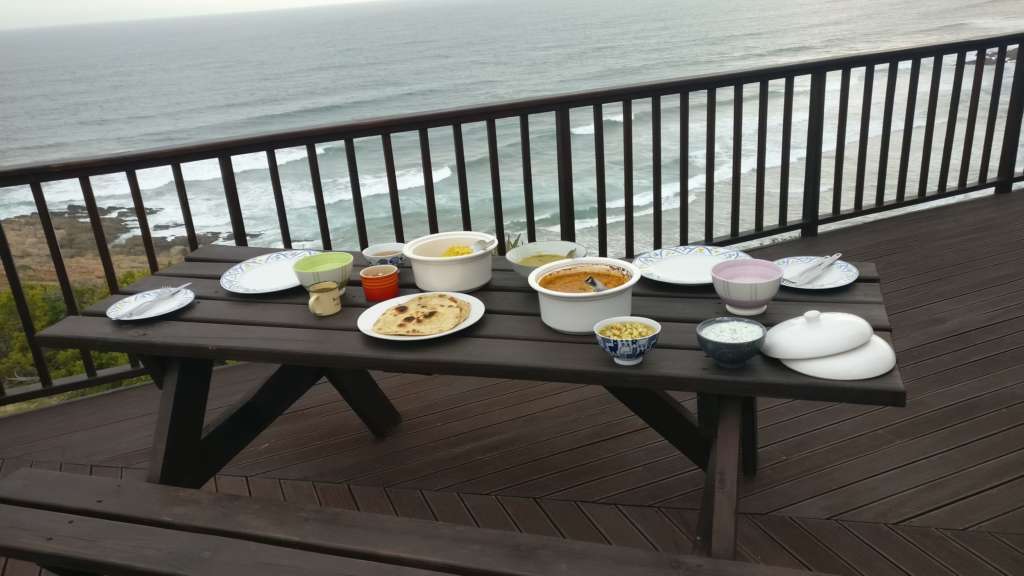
(509,342)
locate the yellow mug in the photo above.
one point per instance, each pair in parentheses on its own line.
(324,298)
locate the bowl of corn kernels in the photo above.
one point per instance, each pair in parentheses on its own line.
(627,339)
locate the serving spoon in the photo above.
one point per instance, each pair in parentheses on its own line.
(595,284)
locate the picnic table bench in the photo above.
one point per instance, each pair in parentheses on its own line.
(509,342)
(90,525)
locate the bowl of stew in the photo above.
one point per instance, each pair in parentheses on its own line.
(524,259)
(568,303)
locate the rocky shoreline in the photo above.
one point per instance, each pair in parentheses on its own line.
(78,245)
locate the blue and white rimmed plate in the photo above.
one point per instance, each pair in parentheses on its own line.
(265,273)
(127,309)
(685,265)
(840,273)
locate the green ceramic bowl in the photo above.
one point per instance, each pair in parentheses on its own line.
(324,267)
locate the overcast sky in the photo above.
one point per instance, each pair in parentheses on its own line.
(36,13)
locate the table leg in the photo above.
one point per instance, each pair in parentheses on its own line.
(749,438)
(185,385)
(367,400)
(668,418)
(716,525)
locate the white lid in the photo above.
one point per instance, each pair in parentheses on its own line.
(869,360)
(816,334)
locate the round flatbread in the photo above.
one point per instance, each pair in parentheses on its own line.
(423,316)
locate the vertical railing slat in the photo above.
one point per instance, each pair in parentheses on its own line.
(566,206)
(737,158)
(684,168)
(908,130)
(492,152)
(627,170)
(929,125)
(762,142)
(59,269)
(954,109)
(428,180)
(709,170)
(318,196)
(812,174)
(993,114)
(227,175)
(656,168)
(1011,136)
(186,210)
(972,117)
(392,178)
(599,182)
(864,136)
(21,304)
(524,143)
(282,211)
(357,195)
(787,139)
(892,73)
(143,220)
(840,155)
(460,170)
(99,236)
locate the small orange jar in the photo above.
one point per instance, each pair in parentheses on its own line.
(379,282)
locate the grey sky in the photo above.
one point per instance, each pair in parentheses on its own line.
(35,13)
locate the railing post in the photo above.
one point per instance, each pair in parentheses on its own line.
(227,176)
(812,172)
(1011,135)
(566,207)
(23,311)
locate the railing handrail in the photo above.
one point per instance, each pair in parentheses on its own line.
(24,174)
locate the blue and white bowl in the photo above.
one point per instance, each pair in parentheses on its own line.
(627,352)
(387,253)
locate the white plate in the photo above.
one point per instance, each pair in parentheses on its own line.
(840,273)
(370,316)
(121,310)
(264,274)
(686,265)
(870,360)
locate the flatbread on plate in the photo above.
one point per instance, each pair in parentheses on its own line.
(423,315)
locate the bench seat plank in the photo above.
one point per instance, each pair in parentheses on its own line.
(370,537)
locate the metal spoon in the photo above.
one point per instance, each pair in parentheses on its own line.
(595,284)
(480,246)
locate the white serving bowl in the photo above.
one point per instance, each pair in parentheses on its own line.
(577,313)
(435,273)
(746,285)
(533,248)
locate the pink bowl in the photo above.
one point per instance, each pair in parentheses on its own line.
(746,286)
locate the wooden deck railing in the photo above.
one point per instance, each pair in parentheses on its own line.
(814,210)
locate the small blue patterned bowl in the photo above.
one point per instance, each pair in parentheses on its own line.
(627,352)
(388,253)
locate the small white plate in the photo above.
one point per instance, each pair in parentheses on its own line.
(122,309)
(370,316)
(265,273)
(684,265)
(840,273)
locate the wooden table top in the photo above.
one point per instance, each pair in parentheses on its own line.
(509,342)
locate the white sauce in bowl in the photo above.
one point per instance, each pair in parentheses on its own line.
(732,332)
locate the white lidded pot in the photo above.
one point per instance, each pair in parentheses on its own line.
(578,312)
(436,273)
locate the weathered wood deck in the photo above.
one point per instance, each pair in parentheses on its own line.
(933,488)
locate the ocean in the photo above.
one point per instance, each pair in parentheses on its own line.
(98,89)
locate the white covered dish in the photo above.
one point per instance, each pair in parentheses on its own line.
(869,360)
(436,273)
(816,334)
